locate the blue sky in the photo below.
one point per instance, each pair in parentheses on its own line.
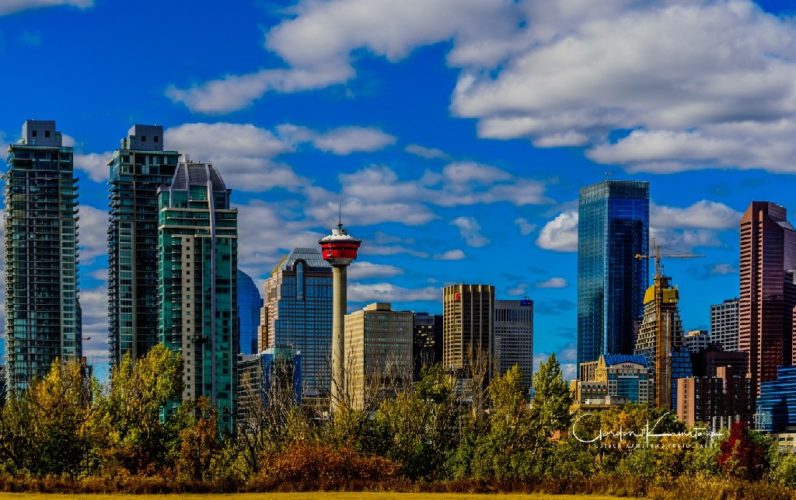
(455,132)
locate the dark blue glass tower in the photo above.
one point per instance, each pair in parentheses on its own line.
(249,305)
(776,405)
(613,227)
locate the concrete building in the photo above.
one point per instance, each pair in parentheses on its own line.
(426,340)
(137,169)
(41,254)
(468,315)
(197,284)
(272,376)
(378,353)
(724,324)
(768,294)
(776,404)
(297,313)
(513,338)
(339,249)
(613,380)
(696,340)
(613,227)
(249,305)
(724,396)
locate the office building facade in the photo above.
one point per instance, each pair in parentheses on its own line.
(197,284)
(468,327)
(776,404)
(249,305)
(613,227)
(696,340)
(41,254)
(426,340)
(378,354)
(137,169)
(513,338)
(724,396)
(724,324)
(269,377)
(297,314)
(613,380)
(768,294)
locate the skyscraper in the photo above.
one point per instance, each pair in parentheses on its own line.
(426,340)
(768,295)
(137,169)
(468,312)
(513,339)
(613,227)
(297,313)
(41,254)
(197,284)
(378,353)
(724,324)
(249,305)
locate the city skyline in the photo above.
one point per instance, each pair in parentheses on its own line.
(457,200)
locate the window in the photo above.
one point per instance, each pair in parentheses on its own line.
(143,138)
(34,133)
(155,139)
(46,133)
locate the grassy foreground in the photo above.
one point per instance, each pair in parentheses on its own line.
(303,496)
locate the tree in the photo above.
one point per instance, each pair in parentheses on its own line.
(552,399)
(742,456)
(200,444)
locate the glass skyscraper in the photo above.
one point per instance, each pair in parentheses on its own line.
(41,254)
(249,305)
(613,227)
(138,168)
(197,284)
(297,314)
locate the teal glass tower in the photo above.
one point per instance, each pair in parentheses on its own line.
(613,227)
(137,169)
(41,254)
(197,284)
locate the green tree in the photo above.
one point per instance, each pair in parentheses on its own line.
(550,407)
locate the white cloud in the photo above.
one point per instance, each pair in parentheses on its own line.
(11,6)
(425,152)
(455,254)
(346,140)
(561,233)
(702,214)
(519,289)
(554,282)
(684,241)
(93,233)
(94,305)
(524,226)
(243,153)
(387,292)
(94,164)
(723,269)
(470,231)
(362,270)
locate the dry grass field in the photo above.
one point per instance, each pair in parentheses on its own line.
(301,496)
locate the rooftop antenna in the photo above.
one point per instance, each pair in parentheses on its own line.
(340,214)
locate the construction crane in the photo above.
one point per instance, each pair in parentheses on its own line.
(663,335)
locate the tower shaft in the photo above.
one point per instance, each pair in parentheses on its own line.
(340,300)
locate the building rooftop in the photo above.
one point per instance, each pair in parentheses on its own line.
(196,174)
(311,256)
(616,359)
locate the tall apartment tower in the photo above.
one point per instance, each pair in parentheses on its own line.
(378,353)
(768,295)
(513,339)
(197,284)
(41,254)
(426,340)
(249,305)
(724,324)
(137,169)
(297,313)
(613,227)
(468,326)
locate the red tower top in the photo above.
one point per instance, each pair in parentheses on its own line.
(339,248)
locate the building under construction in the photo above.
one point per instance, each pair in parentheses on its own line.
(41,254)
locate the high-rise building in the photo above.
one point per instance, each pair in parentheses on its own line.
(249,305)
(297,314)
(725,395)
(469,324)
(768,295)
(696,340)
(724,324)
(613,227)
(613,380)
(776,404)
(197,284)
(378,353)
(660,335)
(41,254)
(513,338)
(271,376)
(137,169)
(339,249)
(427,340)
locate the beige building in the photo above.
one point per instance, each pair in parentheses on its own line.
(468,328)
(378,353)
